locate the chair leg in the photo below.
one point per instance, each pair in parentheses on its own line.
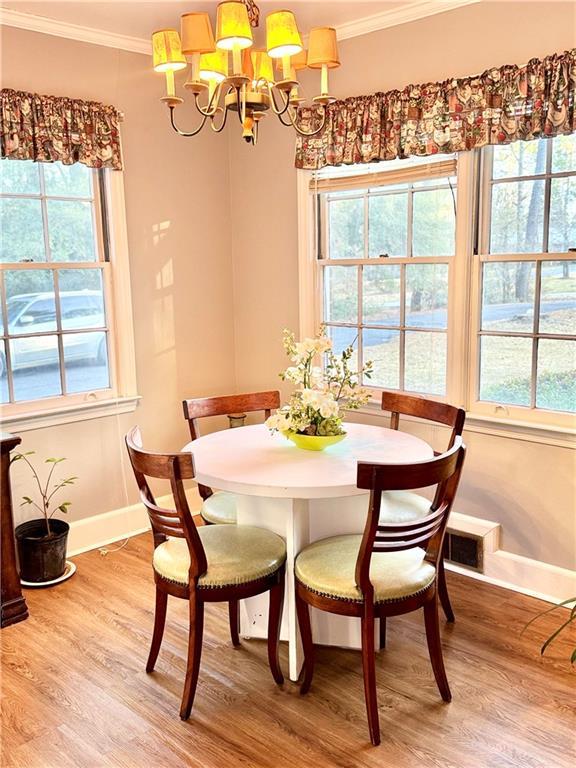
(303,612)
(159,623)
(443,593)
(382,632)
(234,615)
(274,622)
(369,669)
(194,653)
(435,647)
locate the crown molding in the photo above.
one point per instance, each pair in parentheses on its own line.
(46,26)
(407,12)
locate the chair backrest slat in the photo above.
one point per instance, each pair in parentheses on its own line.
(398,404)
(174,523)
(427,532)
(226,405)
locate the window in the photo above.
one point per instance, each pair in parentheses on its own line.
(456,276)
(57,344)
(526,278)
(385,254)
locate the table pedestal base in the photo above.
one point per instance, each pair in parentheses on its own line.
(299,522)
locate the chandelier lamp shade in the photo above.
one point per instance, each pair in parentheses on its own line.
(229,72)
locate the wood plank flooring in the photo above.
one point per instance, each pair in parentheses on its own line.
(75,694)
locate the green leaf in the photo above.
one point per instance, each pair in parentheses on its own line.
(64,506)
(27,500)
(53,461)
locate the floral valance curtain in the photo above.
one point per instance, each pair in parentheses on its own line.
(498,107)
(50,128)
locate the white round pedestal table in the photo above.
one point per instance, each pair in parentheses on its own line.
(303,496)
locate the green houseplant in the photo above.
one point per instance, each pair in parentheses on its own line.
(42,541)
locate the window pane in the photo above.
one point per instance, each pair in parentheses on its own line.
(35,366)
(558,297)
(564,153)
(341,294)
(30,301)
(71,231)
(21,230)
(427,295)
(508,296)
(522,158)
(67,180)
(85,361)
(434,223)
(562,214)
(381,295)
(556,385)
(383,348)
(505,369)
(4,394)
(346,228)
(19,177)
(81,298)
(517,222)
(342,338)
(425,362)
(387,226)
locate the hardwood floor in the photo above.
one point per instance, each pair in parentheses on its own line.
(75,693)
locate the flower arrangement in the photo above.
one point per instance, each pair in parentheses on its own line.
(315,408)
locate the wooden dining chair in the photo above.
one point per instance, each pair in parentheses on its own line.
(216,563)
(219,507)
(408,506)
(389,570)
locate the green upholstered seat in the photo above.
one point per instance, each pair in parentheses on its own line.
(220,508)
(403,507)
(236,554)
(327,568)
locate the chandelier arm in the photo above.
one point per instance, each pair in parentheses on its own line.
(186,134)
(273,102)
(222,124)
(212,106)
(294,123)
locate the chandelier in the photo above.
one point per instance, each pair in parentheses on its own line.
(227,74)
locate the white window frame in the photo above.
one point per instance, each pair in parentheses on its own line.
(518,413)
(542,426)
(121,396)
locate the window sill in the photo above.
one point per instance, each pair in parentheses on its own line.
(24,422)
(507,428)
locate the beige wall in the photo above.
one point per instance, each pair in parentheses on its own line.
(529,488)
(177,207)
(213,291)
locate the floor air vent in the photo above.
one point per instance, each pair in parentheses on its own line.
(465,550)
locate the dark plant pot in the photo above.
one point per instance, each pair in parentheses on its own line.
(42,557)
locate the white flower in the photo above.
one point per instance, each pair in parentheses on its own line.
(323,344)
(328,406)
(316,376)
(279,421)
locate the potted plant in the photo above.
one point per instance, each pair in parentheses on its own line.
(312,418)
(42,542)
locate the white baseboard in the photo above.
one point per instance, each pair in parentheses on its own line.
(504,569)
(531,577)
(109,527)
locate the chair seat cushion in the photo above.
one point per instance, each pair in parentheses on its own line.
(403,507)
(327,568)
(220,508)
(236,554)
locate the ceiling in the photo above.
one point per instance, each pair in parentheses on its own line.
(138,19)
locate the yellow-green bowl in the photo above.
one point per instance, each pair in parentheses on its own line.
(313,442)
